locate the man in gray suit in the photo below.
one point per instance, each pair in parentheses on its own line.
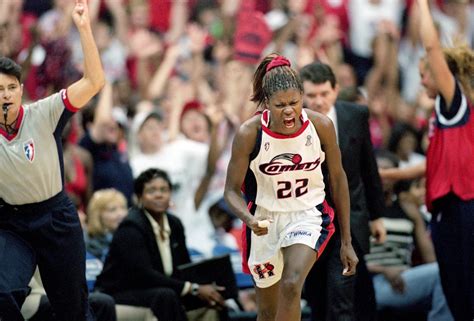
(330,294)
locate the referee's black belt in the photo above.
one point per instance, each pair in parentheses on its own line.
(33,208)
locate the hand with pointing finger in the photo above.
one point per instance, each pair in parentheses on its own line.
(80,14)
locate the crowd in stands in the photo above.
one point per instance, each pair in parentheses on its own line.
(179,76)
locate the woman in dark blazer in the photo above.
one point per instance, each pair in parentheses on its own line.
(141,267)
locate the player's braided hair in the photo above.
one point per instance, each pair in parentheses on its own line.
(460,61)
(279,77)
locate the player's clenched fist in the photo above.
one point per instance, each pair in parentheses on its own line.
(259,227)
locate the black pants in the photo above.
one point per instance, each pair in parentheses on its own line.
(102,305)
(163,302)
(13,291)
(53,232)
(335,297)
(453,238)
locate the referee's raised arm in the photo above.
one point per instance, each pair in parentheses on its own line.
(93,80)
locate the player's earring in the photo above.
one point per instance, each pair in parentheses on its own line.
(171,204)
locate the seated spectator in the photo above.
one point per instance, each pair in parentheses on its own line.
(107,208)
(398,284)
(147,248)
(185,161)
(38,308)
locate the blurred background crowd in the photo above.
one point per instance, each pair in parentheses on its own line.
(179,75)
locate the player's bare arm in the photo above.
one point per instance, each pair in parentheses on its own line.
(339,187)
(242,146)
(437,63)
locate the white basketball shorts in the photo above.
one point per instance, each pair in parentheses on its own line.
(313,227)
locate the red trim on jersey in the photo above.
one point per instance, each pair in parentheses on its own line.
(244,243)
(281,136)
(66,101)
(265,120)
(249,205)
(245,262)
(17,125)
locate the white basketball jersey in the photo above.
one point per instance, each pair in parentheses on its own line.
(287,169)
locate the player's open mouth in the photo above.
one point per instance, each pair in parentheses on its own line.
(289,122)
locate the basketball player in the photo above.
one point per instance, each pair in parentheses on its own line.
(279,154)
(448,76)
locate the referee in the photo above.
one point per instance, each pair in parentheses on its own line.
(38,223)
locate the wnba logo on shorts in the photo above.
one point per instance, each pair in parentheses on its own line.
(264,270)
(294,234)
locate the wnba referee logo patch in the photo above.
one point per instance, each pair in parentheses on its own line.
(29,149)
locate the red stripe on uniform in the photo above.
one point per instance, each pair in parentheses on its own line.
(280,136)
(17,125)
(245,245)
(249,205)
(245,263)
(330,228)
(66,101)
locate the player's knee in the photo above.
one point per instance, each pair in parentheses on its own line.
(101,300)
(291,286)
(266,314)
(165,296)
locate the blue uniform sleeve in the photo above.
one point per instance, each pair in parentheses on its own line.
(457,114)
